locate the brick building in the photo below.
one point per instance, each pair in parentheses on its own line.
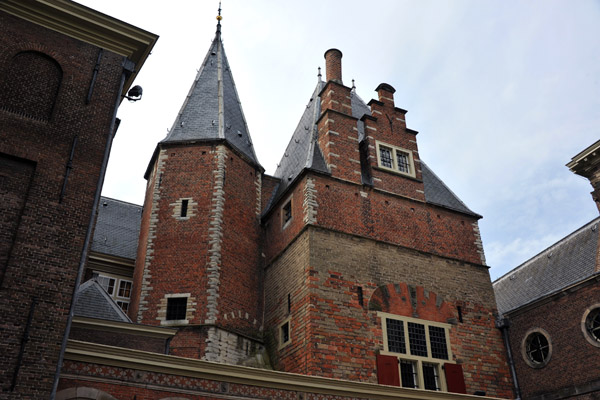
(63,69)
(354,261)
(551,310)
(352,270)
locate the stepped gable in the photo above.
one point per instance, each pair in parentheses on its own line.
(212,108)
(94,302)
(303,151)
(566,262)
(117,228)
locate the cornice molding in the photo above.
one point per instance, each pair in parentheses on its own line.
(87,25)
(154,362)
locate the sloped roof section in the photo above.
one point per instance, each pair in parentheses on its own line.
(117,228)
(212,108)
(566,262)
(94,302)
(303,150)
(436,192)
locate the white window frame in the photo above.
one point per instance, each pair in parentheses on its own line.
(120,300)
(395,169)
(418,360)
(280,338)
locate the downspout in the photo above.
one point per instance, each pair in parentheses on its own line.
(128,68)
(503,324)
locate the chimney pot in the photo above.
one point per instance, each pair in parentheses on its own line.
(385,92)
(333,65)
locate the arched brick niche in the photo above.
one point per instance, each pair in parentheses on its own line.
(30,84)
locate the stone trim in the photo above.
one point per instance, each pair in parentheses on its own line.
(191,208)
(123,327)
(146,274)
(309,204)
(591,340)
(190,308)
(215,236)
(479,242)
(258,185)
(154,362)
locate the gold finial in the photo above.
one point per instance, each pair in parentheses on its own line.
(219,18)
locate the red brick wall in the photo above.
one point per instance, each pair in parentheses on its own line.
(43,256)
(333,336)
(574,360)
(176,255)
(361,211)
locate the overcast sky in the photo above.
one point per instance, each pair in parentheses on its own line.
(503,93)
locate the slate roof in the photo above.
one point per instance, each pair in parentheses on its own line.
(566,262)
(212,109)
(303,152)
(94,302)
(117,228)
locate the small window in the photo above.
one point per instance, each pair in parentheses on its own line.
(408,374)
(590,324)
(176,308)
(286,213)
(107,283)
(536,348)
(285,333)
(395,159)
(184,208)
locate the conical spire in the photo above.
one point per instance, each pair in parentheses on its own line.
(212,109)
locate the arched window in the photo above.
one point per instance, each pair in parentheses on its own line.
(30,85)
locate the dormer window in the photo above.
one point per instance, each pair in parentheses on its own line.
(395,159)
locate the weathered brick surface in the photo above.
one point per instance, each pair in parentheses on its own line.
(574,361)
(366,212)
(212,254)
(136,342)
(334,336)
(45,79)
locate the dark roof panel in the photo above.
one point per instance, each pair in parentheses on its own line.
(436,192)
(94,302)
(212,108)
(566,262)
(117,228)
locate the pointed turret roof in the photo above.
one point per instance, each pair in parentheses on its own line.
(212,109)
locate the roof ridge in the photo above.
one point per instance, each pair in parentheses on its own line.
(552,246)
(120,201)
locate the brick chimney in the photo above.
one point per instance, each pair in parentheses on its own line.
(333,65)
(385,92)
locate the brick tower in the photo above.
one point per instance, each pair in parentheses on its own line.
(197,263)
(374,269)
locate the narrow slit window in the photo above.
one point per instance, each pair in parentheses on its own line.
(287,212)
(184,208)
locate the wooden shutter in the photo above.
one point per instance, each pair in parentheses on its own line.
(455,378)
(387,370)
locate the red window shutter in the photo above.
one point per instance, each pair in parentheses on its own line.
(455,378)
(387,370)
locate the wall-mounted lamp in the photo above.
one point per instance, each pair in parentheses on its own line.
(135,93)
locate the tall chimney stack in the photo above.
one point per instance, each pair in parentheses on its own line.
(333,65)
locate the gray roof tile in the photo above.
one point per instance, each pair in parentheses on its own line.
(303,151)
(117,228)
(93,302)
(566,262)
(212,108)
